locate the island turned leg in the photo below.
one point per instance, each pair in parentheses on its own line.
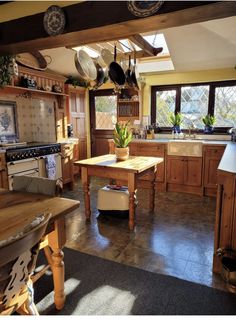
(152,190)
(85,182)
(132,189)
(56,241)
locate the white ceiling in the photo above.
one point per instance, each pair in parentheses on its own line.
(200,46)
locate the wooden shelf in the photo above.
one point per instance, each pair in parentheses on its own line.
(36,90)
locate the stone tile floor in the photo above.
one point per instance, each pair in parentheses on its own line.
(176,239)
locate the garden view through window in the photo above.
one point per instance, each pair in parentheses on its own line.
(194,102)
(105,112)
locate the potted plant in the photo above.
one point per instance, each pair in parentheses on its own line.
(176,120)
(208,121)
(122,137)
(7,70)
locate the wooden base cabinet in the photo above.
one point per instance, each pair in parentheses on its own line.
(184,174)
(3,172)
(67,164)
(225,226)
(213,155)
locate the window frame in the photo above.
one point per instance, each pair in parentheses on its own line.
(177,87)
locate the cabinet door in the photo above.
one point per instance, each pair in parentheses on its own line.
(3,179)
(193,171)
(153,150)
(67,163)
(210,172)
(75,158)
(78,119)
(175,169)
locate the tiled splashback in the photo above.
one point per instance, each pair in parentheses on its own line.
(36,119)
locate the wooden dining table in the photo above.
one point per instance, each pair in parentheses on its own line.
(130,170)
(18,209)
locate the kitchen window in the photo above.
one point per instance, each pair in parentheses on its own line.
(194,102)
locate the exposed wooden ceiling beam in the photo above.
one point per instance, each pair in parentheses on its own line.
(143,44)
(109,20)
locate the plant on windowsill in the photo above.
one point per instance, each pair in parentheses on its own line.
(209,121)
(122,138)
(176,120)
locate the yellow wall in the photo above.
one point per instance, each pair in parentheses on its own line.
(19,9)
(180,78)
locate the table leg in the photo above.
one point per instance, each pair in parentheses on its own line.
(85,183)
(132,189)
(56,241)
(152,191)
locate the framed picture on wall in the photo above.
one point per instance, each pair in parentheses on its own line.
(8,127)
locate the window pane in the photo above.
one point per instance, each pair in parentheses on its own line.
(105,108)
(225,106)
(194,105)
(165,104)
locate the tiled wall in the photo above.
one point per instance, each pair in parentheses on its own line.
(36,119)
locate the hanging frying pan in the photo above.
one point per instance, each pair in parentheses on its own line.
(85,66)
(100,76)
(128,74)
(116,73)
(133,74)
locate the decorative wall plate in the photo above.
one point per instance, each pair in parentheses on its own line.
(144,8)
(54,20)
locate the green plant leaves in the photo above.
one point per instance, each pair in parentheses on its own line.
(209,120)
(176,119)
(122,135)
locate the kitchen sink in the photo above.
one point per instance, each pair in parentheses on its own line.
(191,148)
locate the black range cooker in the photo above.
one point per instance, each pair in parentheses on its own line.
(31,150)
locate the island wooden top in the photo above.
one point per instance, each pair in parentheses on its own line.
(17,209)
(133,164)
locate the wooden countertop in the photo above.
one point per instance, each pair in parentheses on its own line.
(228,160)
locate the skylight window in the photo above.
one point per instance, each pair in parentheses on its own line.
(157,40)
(92,53)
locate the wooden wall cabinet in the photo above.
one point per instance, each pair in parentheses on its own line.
(212,157)
(3,172)
(77,117)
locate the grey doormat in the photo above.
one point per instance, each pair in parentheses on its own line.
(95,286)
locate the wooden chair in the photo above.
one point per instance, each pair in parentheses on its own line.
(18,256)
(50,187)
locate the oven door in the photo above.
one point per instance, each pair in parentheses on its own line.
(27,167)
(42,166)
(31,173)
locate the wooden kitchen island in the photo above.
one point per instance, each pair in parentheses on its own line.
(108,167)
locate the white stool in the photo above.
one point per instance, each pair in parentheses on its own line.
(113,202)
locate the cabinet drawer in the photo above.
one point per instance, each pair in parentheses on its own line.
(214,152)
(150,149)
